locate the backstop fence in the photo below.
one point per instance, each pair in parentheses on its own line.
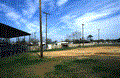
(9,50)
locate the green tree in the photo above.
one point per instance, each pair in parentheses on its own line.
(89,37)
(23,42)
(107,40)
(101,40)
(118,40)
(67,40)
(49,41)
(75,41)
(34,41)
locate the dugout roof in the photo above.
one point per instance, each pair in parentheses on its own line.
(10,32)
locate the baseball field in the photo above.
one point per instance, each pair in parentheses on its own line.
(80,62)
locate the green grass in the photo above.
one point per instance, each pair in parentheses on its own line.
(91,67)
(14,65)
(87,68)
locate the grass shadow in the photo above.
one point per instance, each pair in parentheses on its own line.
(24,61)
(85,61)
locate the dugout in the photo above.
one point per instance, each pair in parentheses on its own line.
(8,32)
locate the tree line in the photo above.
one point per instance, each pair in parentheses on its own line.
(74,37)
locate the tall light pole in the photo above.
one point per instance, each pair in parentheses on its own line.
(46,27)
(41,46)
(83,34)
(98,35)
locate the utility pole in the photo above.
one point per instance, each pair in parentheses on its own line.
(41,46)
(46,27)
(83,34)
(98,36)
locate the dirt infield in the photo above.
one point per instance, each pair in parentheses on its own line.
(103,50)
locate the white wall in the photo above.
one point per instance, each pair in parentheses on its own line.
(49,46)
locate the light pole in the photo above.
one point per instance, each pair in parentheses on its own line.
(83,34)
(98,36)
(41,46)
(46,27)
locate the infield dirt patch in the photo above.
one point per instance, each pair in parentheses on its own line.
(103,50)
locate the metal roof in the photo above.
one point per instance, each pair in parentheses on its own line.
(10,32)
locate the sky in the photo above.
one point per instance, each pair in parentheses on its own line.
(66,17)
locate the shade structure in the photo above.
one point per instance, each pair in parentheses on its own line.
(10,32)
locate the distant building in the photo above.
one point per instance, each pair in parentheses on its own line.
(62,43)
(50,46)
(58,45)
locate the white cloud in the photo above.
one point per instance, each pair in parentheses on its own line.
(55,33)
(13,16)
(5,8)
(114,5)
(23,21)
(61,2)
(48,5)
(31,8)
(33,27)
(75,23)
(109,28)
(52,6)
(86,18)
(68,17)
(10,12)
(71,20)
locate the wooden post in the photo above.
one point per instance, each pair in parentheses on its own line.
(41,46)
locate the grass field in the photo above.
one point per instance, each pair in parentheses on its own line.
(97,65)
(87,68)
